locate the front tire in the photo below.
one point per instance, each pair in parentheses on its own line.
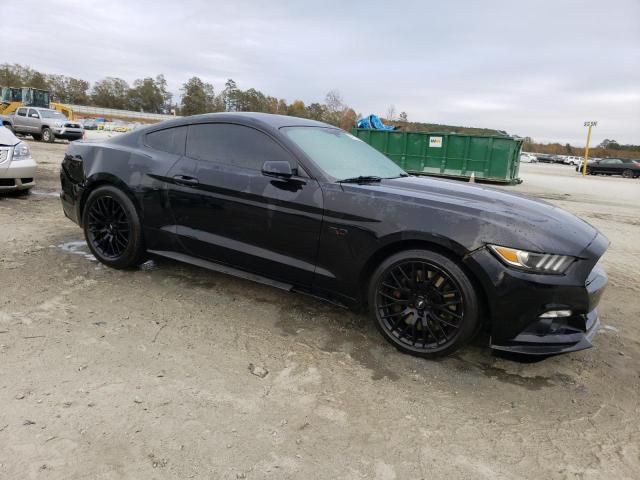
(627,173)
(423,303)
(112,228)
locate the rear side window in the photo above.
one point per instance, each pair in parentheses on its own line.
(170,140)
(233,145)
(22,112)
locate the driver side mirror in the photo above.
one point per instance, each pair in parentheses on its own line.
(278,169)
(35,115)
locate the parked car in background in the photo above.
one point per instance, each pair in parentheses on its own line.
(89,124)
(305,206)
(45,124)
(545,158)
(572,160)
(613,166)
(17,167)
(589,162)
(528,158)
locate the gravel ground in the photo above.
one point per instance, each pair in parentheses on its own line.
(176,372)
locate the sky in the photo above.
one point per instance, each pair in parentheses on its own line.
(537,68)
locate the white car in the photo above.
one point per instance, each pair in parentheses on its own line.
(573,160)
(17,166)
(528,158)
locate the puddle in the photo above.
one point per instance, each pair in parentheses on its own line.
(535,382)
(343,332)
(362,350)
(148,266)
(77,247)
(44,193)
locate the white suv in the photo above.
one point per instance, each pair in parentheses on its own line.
(17,167)
(528,158)
(572,160)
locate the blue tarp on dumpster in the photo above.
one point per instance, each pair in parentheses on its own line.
(374,122)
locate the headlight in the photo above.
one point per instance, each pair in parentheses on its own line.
(534,262)
(21,151)
(58,124)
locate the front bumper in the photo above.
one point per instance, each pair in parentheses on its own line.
(17,175)
(519,301)
(68,133)
(544,338)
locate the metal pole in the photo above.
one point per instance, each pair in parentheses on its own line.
(586,150)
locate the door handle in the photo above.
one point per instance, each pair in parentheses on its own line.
(185,180)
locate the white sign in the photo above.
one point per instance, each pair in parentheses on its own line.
(435,142)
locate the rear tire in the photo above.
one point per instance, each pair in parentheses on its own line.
(112,228)
(423,303)
(48,136)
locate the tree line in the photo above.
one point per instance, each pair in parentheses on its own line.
(151,95)
(606,148)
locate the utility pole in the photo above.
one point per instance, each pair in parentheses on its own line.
(586,150)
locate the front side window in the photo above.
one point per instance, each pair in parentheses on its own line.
(33,113)
(232,144)
(170,140)
(341,155)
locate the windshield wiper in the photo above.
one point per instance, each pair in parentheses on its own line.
(361,179)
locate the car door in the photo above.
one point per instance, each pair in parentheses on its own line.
(20,120)
(616,166)
(598,167)
(606,166)
(227,211)
(33,121)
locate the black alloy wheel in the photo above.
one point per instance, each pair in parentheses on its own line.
(112,228)
(108,226)
(423,303)
(627,173)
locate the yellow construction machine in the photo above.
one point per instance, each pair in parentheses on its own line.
(11,98)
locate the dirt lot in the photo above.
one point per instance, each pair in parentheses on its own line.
(177,372)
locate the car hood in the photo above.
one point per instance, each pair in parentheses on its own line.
(495,216)
(7,138)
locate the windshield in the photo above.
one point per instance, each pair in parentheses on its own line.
(52,114)
(341,155)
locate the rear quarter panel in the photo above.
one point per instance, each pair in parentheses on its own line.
(135,170)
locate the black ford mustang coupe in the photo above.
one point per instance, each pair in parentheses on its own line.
(305,206)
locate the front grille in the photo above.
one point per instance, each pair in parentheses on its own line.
(7,182)
(4,154)
(71,125)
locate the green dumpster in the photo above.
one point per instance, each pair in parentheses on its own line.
(490,158)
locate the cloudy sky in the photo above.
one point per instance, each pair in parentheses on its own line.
(538,68)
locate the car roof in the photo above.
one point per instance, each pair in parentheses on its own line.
(247,118)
